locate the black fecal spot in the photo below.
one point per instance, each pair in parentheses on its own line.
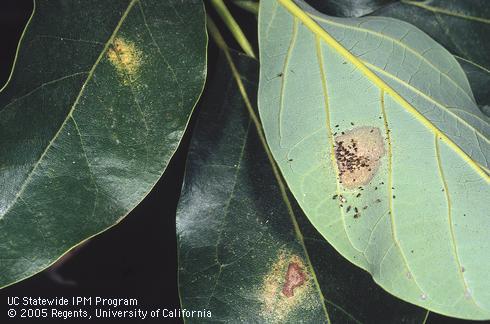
(358,153)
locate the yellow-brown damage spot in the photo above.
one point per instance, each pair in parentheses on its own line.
(358,153)
(286,287)
(126,58)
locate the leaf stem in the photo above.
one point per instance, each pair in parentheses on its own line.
(248,5)
(233,26)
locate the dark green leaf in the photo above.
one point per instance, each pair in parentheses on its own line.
(462,27)
(238,235)
(479,79)
(348,8)
(99,98)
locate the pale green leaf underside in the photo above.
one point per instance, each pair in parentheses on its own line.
(426,240)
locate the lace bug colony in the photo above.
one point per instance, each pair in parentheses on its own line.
(358,152)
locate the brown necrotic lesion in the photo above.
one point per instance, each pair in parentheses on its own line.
(286,287)
(295,277)
(358,153)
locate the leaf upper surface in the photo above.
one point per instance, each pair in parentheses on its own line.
(97,102)
(460,26)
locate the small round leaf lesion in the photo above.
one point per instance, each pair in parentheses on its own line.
(126,58)
(358,152)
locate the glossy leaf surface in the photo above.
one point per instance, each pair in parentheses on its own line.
(479,79)
(237,236)
(235,243)
(376,131)
(462,27)
(348,8)
(96,105)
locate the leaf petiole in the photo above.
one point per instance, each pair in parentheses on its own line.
(233,26)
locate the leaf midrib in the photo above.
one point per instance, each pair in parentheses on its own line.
(481,67)
(282,187)
(315,28)
(396,41)
(75,103)
(384,88)
(429,98)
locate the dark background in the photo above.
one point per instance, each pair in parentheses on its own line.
(138,257)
